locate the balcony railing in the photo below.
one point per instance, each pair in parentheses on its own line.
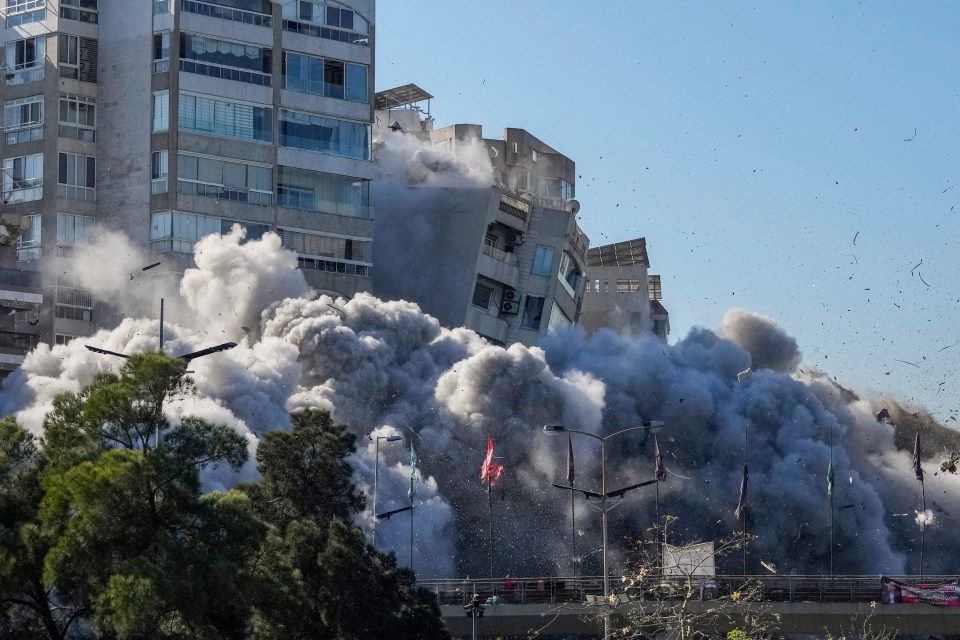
(23,76)
(500,254)
(552,590)
(226,13)
(18,341)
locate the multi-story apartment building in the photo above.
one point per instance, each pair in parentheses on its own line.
(507,260)
(172,119)
(621,294)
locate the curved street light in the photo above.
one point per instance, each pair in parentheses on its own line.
(376,479)
(604,496)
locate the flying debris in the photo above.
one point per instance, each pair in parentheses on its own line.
(950,464)
(769,566)
(743,376)
(883,416)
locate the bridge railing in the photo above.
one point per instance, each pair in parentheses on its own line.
(559,590)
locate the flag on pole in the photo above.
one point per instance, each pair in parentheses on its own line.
(414,471)
(830,478)
(660,473)
(570,473)
(490,471)
(917,469)
(742,502)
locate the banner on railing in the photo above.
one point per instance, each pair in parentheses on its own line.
(945,594)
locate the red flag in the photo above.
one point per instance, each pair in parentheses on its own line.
(490,472)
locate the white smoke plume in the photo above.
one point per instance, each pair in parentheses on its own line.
(384,367)
(404,159)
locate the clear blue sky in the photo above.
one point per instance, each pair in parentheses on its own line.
(760,148)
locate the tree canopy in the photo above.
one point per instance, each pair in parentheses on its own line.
(106,531)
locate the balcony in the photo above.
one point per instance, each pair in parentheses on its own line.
(498,265)
(224,13)
(487,325)
(19,343)
(23,75)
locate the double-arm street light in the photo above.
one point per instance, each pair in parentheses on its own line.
(376,478)
(605,496)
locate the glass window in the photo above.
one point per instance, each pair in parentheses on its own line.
(82,10)
(28,244)
(158,164)
(78,117)
(532,313)
(325,135)
(161,110)
(225,118)
(23,178)
(225,59)
(28,52)
(23,119)
(323,192)
(558,319)
(482,296)
(225,179)
(74,229)
(25,11)
(357,83)
(542,261)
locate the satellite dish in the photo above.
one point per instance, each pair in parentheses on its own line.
(493,152)
(573,206)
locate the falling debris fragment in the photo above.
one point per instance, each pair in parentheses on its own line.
(910,139)
(883,415)
(855,237)
(950,464)
(769,566)
(912,364)
(743,376)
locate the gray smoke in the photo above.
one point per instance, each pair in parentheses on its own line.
(768,345)
(385,367)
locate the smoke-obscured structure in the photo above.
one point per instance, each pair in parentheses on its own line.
(386,367)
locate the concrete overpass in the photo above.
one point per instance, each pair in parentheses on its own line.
(805,604)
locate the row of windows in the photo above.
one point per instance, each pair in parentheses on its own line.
(23,177)
(297,130)
(20,12)
(23,118)
(72,230)
(231,60)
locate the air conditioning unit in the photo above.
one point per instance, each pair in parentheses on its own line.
(510,307)
(512,295)
(514,238)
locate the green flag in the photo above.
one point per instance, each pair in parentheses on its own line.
(830,479)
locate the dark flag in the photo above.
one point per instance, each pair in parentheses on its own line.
(570,473)
(660,473)
(917,469)
(831,478)
(742,502)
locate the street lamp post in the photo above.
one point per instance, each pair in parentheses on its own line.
(604,496)
(376,477)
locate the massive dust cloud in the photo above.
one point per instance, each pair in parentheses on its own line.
(384,367)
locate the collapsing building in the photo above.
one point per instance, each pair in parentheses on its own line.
(493,247)
(620,294)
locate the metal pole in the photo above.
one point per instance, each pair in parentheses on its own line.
(490,512)
(923,525)
(473,614)
(606,577)
(411,507)
(831,500)
(746,427)
(573,533)
(376,478)
(161,324)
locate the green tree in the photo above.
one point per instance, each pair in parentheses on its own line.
(29,607)
(330,583)
(118,526)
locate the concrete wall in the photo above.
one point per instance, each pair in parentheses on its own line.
(625,313)
(426,246)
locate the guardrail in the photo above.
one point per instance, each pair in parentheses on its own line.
(554,590)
